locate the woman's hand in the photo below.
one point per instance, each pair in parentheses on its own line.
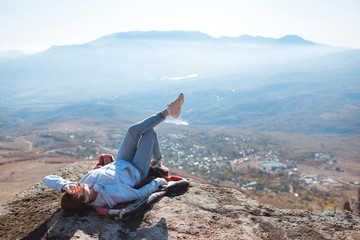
(71,188)
(164,182)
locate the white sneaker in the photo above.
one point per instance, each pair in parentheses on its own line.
(174,108)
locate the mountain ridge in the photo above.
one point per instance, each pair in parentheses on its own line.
(287,40)
(294,39)
(175,35)
(155,35)
(12,54)
(199,36)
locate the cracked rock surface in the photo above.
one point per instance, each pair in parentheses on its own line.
(203,212)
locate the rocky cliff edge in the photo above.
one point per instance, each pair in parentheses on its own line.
(203,212)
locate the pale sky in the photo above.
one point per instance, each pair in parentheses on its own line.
(35,25)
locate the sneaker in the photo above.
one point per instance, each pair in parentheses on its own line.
(174,108)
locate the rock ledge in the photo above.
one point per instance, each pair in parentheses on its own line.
(203,212)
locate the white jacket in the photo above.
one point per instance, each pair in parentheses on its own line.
(113,182)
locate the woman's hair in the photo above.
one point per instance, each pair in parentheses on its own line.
(71,205)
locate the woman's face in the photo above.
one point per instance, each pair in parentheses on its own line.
(84,194)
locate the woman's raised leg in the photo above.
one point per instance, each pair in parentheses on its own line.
(156,151)
(129,145)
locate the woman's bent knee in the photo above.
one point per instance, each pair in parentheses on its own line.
(133,130)
(149,134)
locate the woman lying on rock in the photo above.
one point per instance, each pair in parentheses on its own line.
(114,183)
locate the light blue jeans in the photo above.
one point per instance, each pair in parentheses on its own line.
(141,144)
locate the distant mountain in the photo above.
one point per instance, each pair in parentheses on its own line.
(12,54)
(122,60)
(247,81)
(196,36)
(287,40)
(293,39)
(153,35)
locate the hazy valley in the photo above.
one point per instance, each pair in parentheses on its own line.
(317,171)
